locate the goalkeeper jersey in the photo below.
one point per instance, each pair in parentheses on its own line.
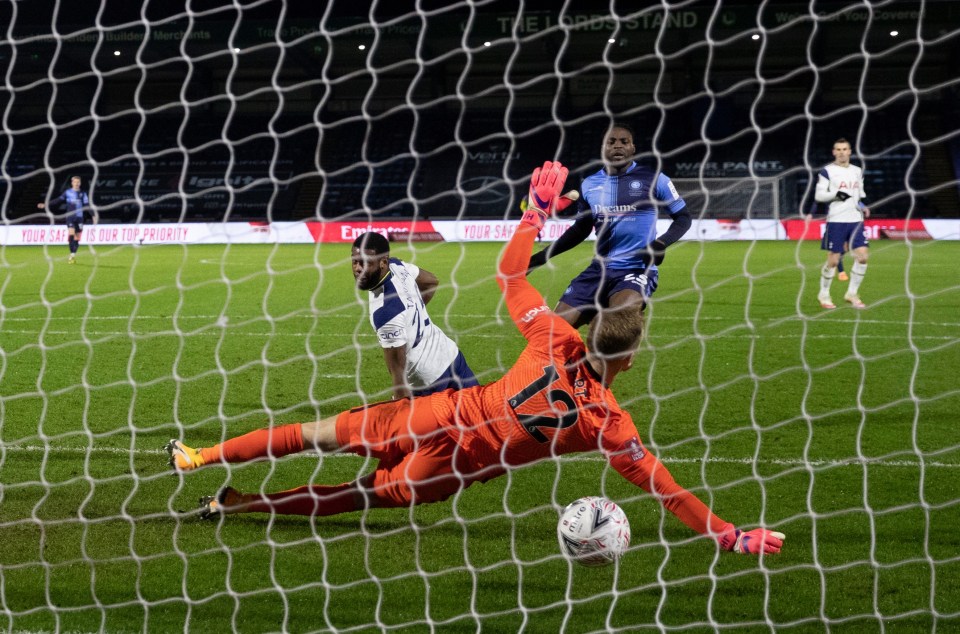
(550,402)
(834,178)
(399,316)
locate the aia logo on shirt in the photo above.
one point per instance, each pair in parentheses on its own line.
(533,312)
(849,185)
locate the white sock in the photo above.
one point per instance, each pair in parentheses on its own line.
(857,271)
(826,278)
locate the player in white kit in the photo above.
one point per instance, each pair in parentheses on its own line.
(420,357)
(841,185)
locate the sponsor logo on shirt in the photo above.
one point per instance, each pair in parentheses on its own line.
(533,312)
(614,209)
(391,335)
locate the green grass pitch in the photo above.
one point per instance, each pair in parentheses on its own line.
(838,428)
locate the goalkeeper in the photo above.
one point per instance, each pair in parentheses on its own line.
(555,400)
(621,202)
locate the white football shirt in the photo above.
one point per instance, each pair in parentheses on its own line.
(849,179)
(400,318)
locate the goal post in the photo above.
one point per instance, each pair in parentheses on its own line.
(747,198)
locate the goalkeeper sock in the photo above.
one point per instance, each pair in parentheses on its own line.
(272,441)
(857,271)
(311,499)
(826,278)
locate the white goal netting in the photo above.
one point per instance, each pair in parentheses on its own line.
(232,151)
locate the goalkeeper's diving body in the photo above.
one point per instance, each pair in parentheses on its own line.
(555,400)
(621,202)
(420,357)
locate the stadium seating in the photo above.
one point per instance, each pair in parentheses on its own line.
(412,166)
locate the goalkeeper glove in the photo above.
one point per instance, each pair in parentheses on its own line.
(562,203)
(751,542)
(842,196)
(653,252)
(546,183)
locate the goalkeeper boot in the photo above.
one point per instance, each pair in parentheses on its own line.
(224,502)
(825,301)
(183,458)
(854,300)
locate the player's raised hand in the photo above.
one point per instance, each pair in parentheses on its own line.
(546,184)
(567,199)
(752,542)
(563,201)
(545,187)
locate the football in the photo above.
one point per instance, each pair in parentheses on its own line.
(593,531)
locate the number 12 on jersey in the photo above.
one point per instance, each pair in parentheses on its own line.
(533,422)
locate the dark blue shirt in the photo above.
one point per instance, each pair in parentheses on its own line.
(75,202)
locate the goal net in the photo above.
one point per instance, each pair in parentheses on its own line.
(232,152)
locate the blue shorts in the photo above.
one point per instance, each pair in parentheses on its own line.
(840,233)
(592,289)
(76,224)
(457,376)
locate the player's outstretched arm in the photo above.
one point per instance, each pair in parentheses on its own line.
(631,459)
(577,233)
(524,301)
(546,183)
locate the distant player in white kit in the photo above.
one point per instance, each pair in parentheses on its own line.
(420,357)
(841,185)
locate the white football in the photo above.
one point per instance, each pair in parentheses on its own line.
(593,531)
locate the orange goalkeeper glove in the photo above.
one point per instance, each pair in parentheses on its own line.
(751,542)
(545,186)
(563,202)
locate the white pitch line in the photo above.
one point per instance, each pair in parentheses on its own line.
(463,336)
(491,318)
(788,462)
